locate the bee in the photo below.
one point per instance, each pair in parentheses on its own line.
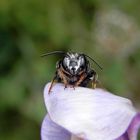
(74,70)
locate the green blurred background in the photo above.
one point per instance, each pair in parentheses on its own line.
(109,31)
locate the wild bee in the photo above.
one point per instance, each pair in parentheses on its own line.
(74,70)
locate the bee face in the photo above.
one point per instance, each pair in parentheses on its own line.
(74,63)
(74,69)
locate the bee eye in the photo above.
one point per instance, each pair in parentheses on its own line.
(66,61)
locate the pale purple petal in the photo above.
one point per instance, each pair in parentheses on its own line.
(123,137)
(93,114)
(132,131)
(134,127)
(52,131)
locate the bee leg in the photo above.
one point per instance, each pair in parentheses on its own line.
(74,87)
(65,86)
(61,74)
(52,84)
(80,80)
(94,81)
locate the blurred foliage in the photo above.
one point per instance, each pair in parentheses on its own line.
(108,31)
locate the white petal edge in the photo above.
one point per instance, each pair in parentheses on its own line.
(92,114)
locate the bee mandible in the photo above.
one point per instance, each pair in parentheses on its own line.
(74,70)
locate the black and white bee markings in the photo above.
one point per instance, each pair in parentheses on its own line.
(74,70)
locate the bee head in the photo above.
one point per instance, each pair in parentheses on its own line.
(74,63)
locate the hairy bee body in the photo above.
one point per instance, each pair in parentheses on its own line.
(74,70)
(83,78)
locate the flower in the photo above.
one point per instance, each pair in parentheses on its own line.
(88,114)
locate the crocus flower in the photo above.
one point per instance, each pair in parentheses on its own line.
(88,114)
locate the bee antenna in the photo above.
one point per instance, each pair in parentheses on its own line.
(52,53)
(94,61)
